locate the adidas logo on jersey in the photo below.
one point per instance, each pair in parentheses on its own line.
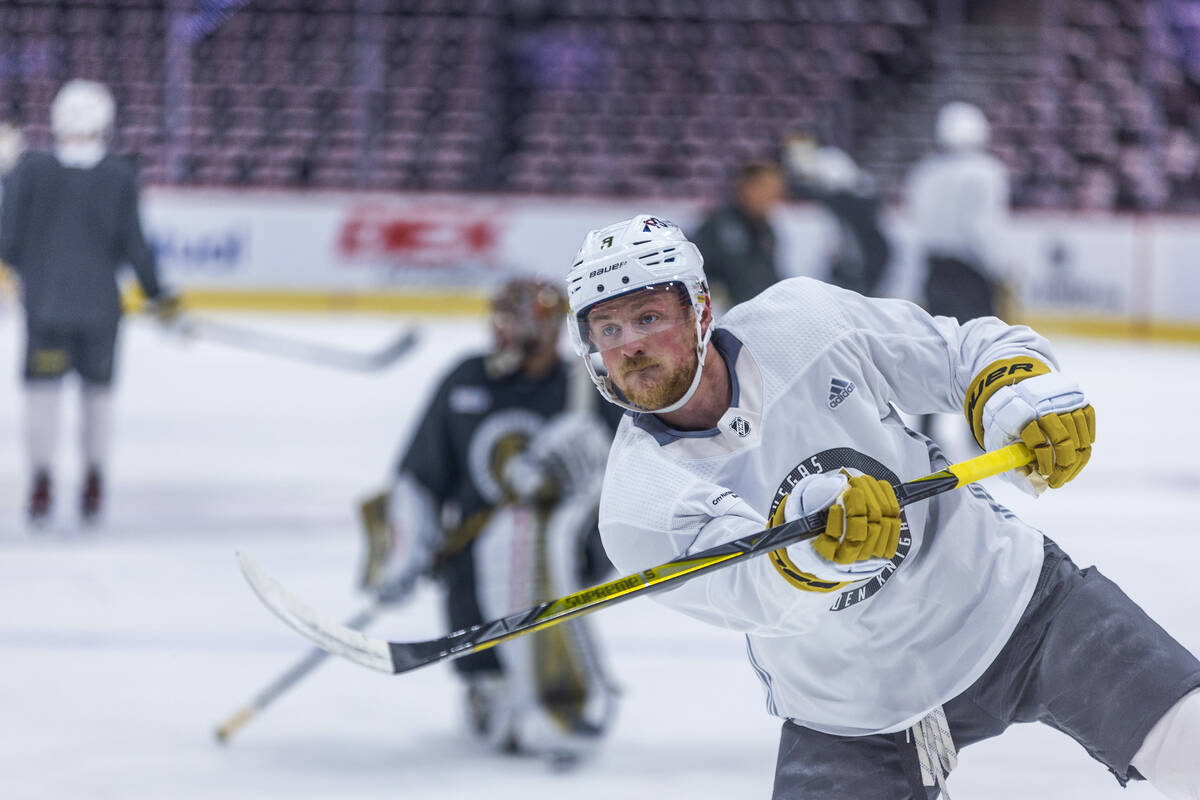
(839,390)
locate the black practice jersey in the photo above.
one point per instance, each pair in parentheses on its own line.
(473,424)
(66,231)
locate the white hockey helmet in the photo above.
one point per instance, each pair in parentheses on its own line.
(82,109)
(641,253)
(835,170)
(961,126)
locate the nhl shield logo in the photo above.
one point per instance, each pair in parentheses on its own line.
(740,426)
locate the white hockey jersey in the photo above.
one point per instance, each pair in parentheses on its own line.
(818,373)
(958,203)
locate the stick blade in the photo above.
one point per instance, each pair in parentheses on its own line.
(332,637)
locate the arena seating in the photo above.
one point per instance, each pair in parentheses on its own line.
(613,97)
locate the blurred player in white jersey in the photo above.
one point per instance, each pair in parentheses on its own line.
(69,221)
(496,496)
(896,636)
(957,199)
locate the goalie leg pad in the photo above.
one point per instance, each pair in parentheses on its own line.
(557,686)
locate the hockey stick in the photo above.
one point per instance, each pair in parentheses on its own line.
(311,352)
(286,681)
(393,657)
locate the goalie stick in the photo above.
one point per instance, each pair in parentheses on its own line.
(311,352)
(394,657)
(287,680)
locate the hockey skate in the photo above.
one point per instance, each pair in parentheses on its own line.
(489,713)
(40,500)
(91,503)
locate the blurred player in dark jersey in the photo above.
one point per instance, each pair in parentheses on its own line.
(69,221)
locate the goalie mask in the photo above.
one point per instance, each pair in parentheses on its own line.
(638,298)
(526,318)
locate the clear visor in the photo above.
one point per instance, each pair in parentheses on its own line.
(625,321)
(642,347)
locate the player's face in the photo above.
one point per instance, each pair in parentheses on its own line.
(763,193)
(647,341)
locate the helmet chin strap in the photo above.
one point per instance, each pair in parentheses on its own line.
(702,337)
(691,390)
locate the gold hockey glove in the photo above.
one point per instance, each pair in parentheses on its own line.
(863,523)
(860,536)
(1020,399)
(1062,443)
(990,380)
(165,308)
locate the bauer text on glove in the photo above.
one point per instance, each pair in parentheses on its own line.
(1020,399)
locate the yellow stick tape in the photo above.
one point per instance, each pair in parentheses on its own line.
(233,723)
(993,463)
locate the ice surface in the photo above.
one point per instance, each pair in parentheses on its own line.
(122,648)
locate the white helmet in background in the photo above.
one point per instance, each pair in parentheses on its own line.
(644,253)
(961,126)
(834,169)
(82,109)
(12,144)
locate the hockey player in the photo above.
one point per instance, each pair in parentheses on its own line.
(740,237)
(897,635)
(828,176)
(957,200)
(69,220)
(496,496)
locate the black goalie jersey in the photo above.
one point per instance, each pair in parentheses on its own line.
(459,451)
